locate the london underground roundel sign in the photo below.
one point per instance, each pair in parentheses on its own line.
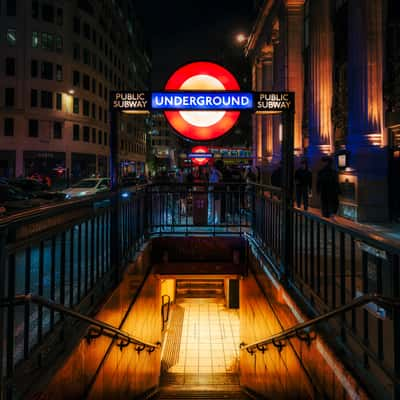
(202,125)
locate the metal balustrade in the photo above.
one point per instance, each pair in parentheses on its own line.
(73,253)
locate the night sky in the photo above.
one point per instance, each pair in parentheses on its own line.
(181,31)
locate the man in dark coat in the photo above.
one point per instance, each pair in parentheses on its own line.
(328,188)
(303,180)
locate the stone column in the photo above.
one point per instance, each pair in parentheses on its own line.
(267,85)
(366,136)
(320,87)
(295,72)
(259,119)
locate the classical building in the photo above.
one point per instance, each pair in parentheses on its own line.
(334,55)
(59,61)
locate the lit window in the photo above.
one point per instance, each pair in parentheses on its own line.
(11,37)
(35,40)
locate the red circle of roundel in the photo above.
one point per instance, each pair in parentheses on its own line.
(200,161)
(188,130)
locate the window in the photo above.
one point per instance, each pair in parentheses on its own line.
(34,68)
(105,94)
(94,36)
(105,139)
(93,110)
(100,66)
(99,137)
(59,101)
(9,98)
(59,73)
(86,30)
(76,105)
(100,89)
(94,86)
(47,70)
(86,133)
(8,126)
(46,99)
(10,66)
(59,43)
(77,25)
(75,132)
(11,8)
(86,108)
(33,128)
(77,52)
(105,116)
(34,98)
(86,56)
(100,113)
(35,40)
(11,36)
(86,82)
(47,41)
(60,16)
(94,61)
(35,9)
(47,12)
(76,78)
(57,130)
(93,135)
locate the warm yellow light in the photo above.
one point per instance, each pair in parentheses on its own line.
(72,91)
(241,38)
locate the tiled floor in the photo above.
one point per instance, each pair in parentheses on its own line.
(210,338)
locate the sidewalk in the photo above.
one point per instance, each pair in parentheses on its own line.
(388,230)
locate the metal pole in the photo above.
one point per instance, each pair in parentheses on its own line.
(287,195)
(115,250)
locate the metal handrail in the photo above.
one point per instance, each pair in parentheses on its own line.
(298,330)
(168,304)
(105,329)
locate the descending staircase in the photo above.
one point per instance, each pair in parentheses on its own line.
(199,288)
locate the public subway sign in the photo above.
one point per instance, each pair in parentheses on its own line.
(202,101)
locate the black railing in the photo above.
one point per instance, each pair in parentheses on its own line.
(302,330)
(70,253)
(97,328)
(199,208)
(330,266)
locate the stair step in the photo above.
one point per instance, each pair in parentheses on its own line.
(202,394)
(201,288)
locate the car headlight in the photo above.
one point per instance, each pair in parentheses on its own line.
(82,193)
(67,196)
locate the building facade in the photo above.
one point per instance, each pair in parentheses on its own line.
(334,55)
(59,62)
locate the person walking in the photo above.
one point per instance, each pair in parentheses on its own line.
(303,181)
(328,188)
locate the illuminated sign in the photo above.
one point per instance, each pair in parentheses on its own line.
(201,101)
(273,102)
(201,125)
(133,102)
(200,155)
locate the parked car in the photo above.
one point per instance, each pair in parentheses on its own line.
(87,187)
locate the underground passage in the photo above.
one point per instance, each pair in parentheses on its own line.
(110,299)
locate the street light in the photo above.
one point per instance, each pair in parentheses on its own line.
(241,38)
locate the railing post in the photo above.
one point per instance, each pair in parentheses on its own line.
(396,323)
(115,242)
(286,258)
(3,255)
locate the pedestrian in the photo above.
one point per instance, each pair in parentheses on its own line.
(276,177)
(303,181)
(328,188)
(214,200)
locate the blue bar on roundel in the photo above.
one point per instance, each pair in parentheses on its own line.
(182,100)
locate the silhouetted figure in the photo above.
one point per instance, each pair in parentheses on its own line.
(276,177)
(328,188)
(303,181)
